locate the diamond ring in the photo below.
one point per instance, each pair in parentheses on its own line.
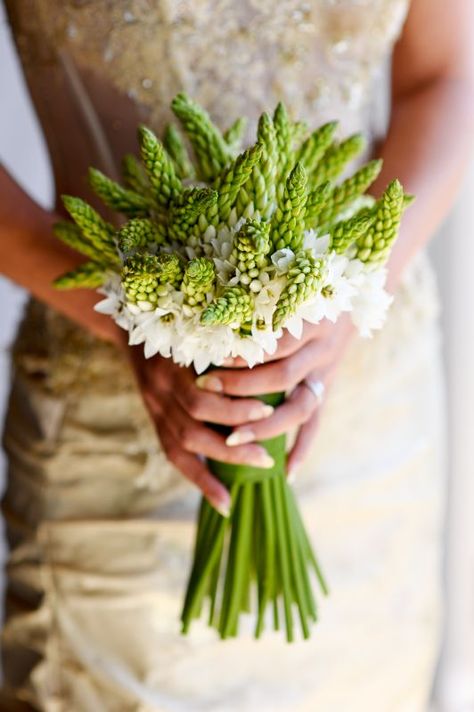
(317,388)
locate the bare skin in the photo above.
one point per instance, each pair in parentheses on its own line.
(426,148)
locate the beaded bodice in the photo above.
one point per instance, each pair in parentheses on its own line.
(98,67)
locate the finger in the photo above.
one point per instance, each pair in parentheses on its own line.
(202,405)
(287,345)
(302,444)
(195,437)
(214,408)
(273,377)
(296,409)
(196,472)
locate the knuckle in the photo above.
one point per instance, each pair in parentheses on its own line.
(172,453)
(187,437)
(199,479)
(308,404)
(286,371)
(194,405)
(232,383)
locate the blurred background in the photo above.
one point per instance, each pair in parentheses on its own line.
(23,152)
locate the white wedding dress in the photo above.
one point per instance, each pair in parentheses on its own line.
(100,525)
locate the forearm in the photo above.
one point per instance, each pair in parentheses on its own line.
(427,147)
(32,257)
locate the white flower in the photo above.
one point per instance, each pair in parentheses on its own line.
(333,297)
(319,246)
(202,345)
(294,324)
(371,303)
(110,305)
(248,349)
(157,335)
(266,338)
(282,259)
(114,304)
(336,292)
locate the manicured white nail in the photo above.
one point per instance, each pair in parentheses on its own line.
(261,411)
(266,461)
(210,383)
(240,437)
(222,508)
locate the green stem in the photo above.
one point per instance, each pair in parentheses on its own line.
(307,545)
(200,576)
(230,567)
(283,558)
(295,561)
(268,545)
(268,553)
(242,544)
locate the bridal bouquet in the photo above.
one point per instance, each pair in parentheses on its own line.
(215,257)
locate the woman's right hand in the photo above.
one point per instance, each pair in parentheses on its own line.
(181,412)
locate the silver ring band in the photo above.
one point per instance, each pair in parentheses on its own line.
(317,388)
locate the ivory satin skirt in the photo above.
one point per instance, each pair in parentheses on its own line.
(101,528)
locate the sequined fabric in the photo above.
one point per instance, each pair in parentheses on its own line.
(100,525)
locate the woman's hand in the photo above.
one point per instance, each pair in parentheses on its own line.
(180,411)
(314,357)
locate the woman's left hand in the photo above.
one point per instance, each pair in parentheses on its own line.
(314,358)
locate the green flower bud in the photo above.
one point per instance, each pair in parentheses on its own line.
(174,144)
(289,218)
(299,131)
(315,146)
(184,213)
(117,198)
(234,306)
(235,133)
(212,152)
(72,236)
(99,233)
(283,130)
(139,233)
(134,175)
(146,277)
(89,275)
(165,184)
(316,203)
(260,187)
(231,181)
(346,232)
(198,280)
(384,230)
(251,245)
(303,280)
(170,268)
(336,158)
(343,194)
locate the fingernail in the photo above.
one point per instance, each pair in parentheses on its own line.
(209,383)
(265,461)
(261,411)
(223,508)
(240,437)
